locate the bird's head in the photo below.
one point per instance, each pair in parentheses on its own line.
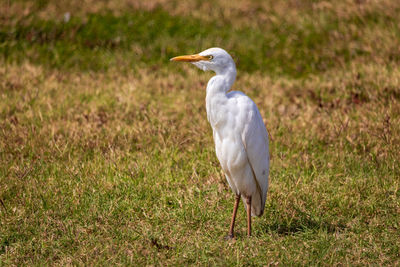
(215,59)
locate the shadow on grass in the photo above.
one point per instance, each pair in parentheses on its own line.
(301,223)
(157,244)
(300,226)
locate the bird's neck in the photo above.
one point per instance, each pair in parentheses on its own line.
(217,88)
(221,82)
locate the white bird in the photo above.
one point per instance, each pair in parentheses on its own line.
(240,136)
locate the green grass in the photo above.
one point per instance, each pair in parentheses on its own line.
(99,41)
(106,156)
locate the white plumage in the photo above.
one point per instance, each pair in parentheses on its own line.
(240,136)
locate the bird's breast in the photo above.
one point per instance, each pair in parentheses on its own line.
(228,121)
(228,142)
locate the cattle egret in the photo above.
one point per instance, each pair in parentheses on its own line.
(240,136)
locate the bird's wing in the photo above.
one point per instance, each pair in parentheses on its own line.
(255,141)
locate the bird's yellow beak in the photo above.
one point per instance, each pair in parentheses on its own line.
(190,58)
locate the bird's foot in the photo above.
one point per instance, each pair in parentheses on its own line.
(229,237)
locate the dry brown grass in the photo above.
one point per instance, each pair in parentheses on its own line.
(238,13)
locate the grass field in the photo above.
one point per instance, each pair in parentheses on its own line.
(107,158)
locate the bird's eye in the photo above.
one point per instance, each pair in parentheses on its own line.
(210,57)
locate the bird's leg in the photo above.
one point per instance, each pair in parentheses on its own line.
(248,203)
(237,199)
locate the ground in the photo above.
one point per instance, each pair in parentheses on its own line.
(106,156)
